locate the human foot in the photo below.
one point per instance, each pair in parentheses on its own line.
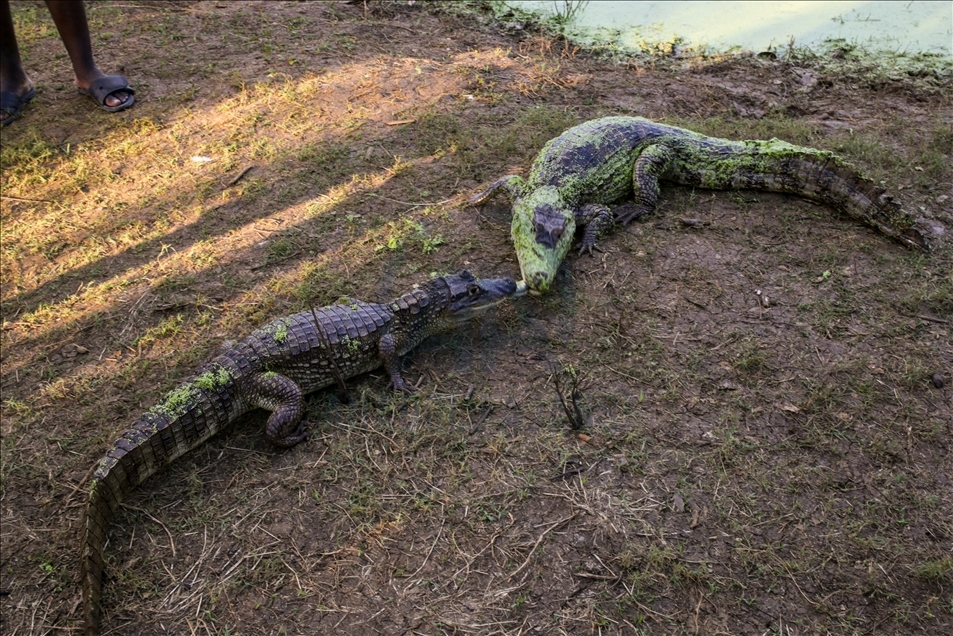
(111,92)
(13,101)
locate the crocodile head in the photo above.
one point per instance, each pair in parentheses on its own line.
(543,228)
(470,296)
(444,301)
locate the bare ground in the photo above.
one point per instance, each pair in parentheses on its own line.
(764,449)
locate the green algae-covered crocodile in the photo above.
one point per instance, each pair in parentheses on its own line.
(579,173)
(273,368)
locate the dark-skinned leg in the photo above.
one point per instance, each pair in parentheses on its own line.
(69,16)
(12,76)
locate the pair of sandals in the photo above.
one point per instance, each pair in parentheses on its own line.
(99,90)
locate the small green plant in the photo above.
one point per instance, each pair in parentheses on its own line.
(281,332)
(431,243)
(521,600)
(280,249)
(935,570)
(353,345)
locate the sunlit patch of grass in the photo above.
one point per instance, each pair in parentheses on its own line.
(318,284)
(27,162)
(160,158)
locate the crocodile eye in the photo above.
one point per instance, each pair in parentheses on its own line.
(473,290)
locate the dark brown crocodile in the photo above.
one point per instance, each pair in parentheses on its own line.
(273,368)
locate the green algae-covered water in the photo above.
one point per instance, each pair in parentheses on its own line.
(889,27)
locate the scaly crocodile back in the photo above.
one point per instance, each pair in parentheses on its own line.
(292,345)
(594,162)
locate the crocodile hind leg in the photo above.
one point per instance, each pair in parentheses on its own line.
(280,395)
(652,163)
(511,183)
(597,219)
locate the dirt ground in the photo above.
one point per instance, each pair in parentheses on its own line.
(764,449)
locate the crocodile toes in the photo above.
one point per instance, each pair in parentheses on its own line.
(400,385)
(587,249)
(300,434)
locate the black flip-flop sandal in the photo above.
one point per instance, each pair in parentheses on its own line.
(13,104)
(102,88)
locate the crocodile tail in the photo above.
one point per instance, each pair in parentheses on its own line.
(819,175)
(188,416)
(103,503)
(833,181)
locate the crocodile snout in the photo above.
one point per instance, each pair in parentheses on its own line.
(499,288)
(537,283)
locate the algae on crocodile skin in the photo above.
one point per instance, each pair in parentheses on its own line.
(605,160)
(211,380)
(353,345)
(277,329)
(281,332)
(177,400)
(536,260)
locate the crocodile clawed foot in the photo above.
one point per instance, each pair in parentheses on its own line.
(587,249)
(625,219)
(300,434)
(400,385)
(628,212)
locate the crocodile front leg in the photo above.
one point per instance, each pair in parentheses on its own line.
(597,219)
(652,163)
(283,397)
(387,348)
(511,183)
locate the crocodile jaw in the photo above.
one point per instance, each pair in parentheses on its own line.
(471,296)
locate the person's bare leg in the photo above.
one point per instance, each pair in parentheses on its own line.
(69,16)
(12,76)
